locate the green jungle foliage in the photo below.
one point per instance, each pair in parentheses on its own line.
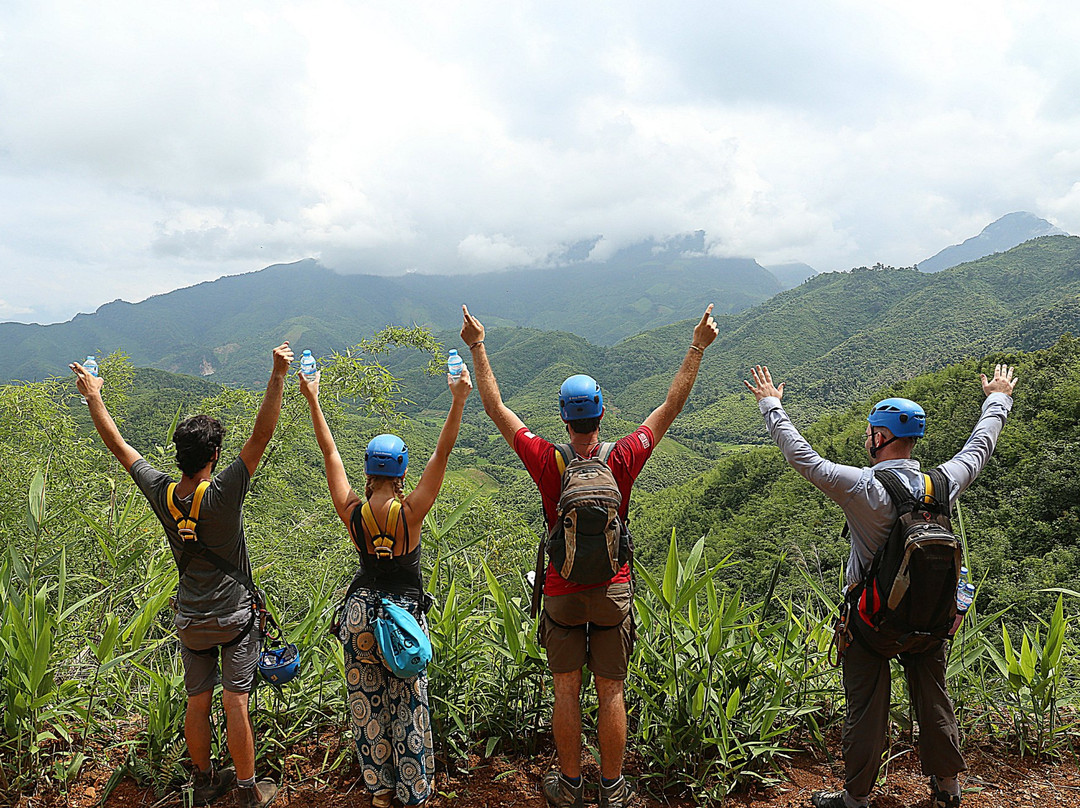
(731,669)
(1022,514)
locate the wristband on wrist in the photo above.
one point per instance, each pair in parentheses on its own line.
(698,349)
(473,346)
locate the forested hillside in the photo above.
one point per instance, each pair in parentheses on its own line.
(723,660)
(221,327)
(1021,516)
(838,337)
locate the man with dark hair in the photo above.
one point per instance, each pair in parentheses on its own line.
(586,624)
(215,611)
(198,439)
(892,428)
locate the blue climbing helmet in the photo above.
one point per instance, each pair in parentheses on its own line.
(901,416)
(580,397)
(279,664)
(386,456)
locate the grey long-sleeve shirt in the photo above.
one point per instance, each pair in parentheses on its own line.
(865,502)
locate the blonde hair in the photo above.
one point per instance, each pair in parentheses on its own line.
(399,486)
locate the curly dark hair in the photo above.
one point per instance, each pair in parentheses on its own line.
(196,439)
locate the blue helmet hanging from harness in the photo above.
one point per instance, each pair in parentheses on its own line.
(386,456)
(279,665)
(580,397)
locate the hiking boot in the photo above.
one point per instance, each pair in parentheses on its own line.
(208,786)
(617,795)
(259,795)
(561,793)
(942,798)
(828,799)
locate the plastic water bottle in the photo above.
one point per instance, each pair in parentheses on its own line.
(91,367)
(307,364)
(455,363)
(965,596)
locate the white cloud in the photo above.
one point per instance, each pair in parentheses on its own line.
(145,147)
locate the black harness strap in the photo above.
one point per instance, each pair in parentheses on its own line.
(195,547)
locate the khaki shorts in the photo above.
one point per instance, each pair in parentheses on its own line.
(238,663)
(593,627)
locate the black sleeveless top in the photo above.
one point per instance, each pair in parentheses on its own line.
(397,575)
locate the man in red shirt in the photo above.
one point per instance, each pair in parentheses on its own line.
(586,625)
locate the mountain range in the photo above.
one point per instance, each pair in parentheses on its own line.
(835,339)
(223,327)
(998,236)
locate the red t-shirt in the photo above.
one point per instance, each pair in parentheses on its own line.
(626,461)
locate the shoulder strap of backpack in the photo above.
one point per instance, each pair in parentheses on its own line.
(564,453)
(900,494)
(937,491)
(604,452)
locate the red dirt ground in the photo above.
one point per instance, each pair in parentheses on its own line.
(993,781)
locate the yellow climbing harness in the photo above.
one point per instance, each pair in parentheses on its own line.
(382,540)
(186,523)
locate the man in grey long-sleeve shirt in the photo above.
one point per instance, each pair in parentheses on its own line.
(871,515)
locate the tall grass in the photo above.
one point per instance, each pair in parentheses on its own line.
(722,687)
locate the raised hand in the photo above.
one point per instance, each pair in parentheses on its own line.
(705,331)
(472,330)
(87,382)
(460,385)
(763,386)
(283,357)
(309,385)
(1003,382)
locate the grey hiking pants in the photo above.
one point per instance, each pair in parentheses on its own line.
(867,688)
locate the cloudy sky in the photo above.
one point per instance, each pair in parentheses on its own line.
(146,146)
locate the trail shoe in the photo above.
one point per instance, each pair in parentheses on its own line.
(942,798)
(259,795)
(617,795)
(828,799)
(384,799)
(561,793)
(208,786)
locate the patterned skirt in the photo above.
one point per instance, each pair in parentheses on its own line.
(389,717)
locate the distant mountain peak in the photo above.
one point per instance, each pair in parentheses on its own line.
(792,274)
(998,236)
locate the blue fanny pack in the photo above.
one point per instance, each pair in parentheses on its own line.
(404,646)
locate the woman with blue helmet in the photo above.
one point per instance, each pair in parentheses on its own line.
(389,717)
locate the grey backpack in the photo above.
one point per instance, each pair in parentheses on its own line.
(590,542)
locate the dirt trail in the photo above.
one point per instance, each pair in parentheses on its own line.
(993,781)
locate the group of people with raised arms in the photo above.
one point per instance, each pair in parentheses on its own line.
(581,624)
